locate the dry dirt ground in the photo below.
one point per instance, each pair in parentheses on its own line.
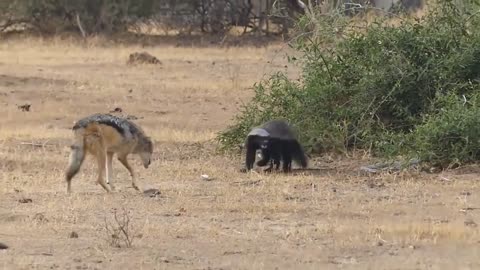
(332,218)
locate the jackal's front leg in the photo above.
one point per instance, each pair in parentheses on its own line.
(124,161)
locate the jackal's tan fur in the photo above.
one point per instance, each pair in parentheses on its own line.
(103,135)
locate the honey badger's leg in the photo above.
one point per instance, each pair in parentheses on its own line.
(299,154)
(287,157)
(276,161)
(110,170)
(123,159)
(265,158)
(250,153)
(275,153)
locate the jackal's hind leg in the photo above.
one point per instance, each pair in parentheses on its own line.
(101,159)
(97,148)
(124,161)
(110,170)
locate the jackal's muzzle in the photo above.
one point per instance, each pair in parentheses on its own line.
(146,159)
(146,164)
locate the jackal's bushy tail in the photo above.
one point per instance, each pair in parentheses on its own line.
(77,156)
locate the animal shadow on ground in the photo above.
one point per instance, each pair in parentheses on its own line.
(314,171)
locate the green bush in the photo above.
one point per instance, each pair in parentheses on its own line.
(451,136)
(370,89)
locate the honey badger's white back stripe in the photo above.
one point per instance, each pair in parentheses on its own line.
(259,132)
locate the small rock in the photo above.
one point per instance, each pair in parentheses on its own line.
(464,210)
(116,110)
(379,243)
(164,260)
(465,193)
(151,192)
(24,107)
(3,246)
(470,223)
(161,112)
(142,58)
(412,247)
(25,200)
(399,213)
(206,177)
(40,217)
(73,235)
(180,212)
(133,117)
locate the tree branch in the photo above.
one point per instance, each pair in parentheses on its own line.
(79,24)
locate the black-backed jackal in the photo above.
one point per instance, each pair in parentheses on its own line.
(103,135)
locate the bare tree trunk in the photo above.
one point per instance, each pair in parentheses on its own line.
(268,9)
(80,27)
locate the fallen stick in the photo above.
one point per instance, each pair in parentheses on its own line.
(36,144)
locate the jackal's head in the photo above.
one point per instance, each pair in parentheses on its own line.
(145,149)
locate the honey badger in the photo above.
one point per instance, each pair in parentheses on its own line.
(277,142)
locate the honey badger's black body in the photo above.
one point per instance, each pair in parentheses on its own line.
(278,142)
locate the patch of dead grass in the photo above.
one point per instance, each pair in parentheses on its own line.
(248,220)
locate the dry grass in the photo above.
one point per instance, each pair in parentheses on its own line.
(323,219)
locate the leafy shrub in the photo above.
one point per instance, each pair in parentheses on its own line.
(451,136)
(370,89)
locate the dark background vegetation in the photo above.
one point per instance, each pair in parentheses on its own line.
(397,87)
(117,16)
(389,83)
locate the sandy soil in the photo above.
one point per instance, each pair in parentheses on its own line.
(329,218)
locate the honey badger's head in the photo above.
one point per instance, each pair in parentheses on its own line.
(257,143)
(264,143)
(262,137)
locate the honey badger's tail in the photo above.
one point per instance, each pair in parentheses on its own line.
(298,154)
(77,156)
